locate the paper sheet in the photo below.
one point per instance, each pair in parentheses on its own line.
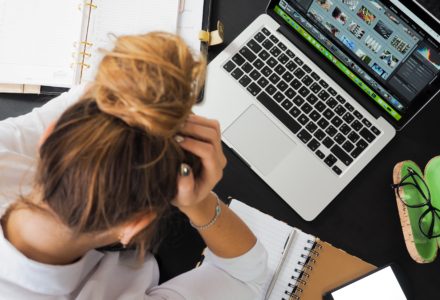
(190,22)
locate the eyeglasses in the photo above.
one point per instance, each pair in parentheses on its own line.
(414,193)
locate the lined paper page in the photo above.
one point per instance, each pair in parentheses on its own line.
(190,22)
(120,17)
(37,41)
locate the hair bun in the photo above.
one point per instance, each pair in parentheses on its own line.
(150,82)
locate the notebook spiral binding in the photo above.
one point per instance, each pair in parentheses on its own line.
(302,274)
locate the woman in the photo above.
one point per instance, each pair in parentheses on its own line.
(109,168)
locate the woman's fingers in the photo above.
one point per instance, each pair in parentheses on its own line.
(214,124)
(185,186)
(200,132)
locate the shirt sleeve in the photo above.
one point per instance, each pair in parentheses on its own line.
(218,278)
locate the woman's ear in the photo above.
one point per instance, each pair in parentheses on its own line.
(46,133)
(130,229)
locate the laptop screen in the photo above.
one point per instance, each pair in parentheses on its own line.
(381,50)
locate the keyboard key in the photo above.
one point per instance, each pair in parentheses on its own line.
(229,66)
(303,119)
(315,87)
(290,93)
(263,82)
(282,46)
(328,142)
(313,144)
(264,55)
(307,69)
(283,59)
(362,144)
(295,84)
(287,77)
(275,51)
(298,61)
(345,129)
(336,121)
(266,71)
(357,114)
(306,108)
(314,115)
(258,64)
(291,66)
(348,117)
(375,130)
(237,73)
(259,37)
(340,110)
(307,80)
(323,123)
(323,83)
(298,100)
(367,135)
(287,104)
(339,138)
(245,80)
(274,39)
(238,59)
(272,62)
(320,154)
(311,127)
(265,31)
(348,146)
(340,99)
(328,113)
(247,67)
(295,111)
(282,86)
(315,76)
(336,170)
(274,78)
(331,131)
(332,91)
(353,137)
(341,155)
(255,75)
(254,46)
(279,69)
(323,95)
(349,106)
(278,97)
(330,160)
(248,54)
(290,54)
(331,103)
(366,123)
(304,136)
(319,134)
(299,73)
(270,89)
(254,89)
(320,106)
(356,152)
(356,125)
(312,99)
(267,44)
(303,91)
(280,113)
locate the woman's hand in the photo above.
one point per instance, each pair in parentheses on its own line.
(202,137)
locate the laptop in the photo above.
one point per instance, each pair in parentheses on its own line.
(310,92)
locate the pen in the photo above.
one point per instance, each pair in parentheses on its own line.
(280,263)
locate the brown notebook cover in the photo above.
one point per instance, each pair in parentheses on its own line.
(328,268)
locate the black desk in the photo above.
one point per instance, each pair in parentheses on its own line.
(363,219)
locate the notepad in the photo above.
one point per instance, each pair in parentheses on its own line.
(57,43)
(311,267)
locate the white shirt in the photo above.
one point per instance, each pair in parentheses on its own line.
(102,275)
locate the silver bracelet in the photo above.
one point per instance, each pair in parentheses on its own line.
(218,211)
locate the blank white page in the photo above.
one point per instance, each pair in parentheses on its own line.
(121,17)
(37,41)
(190,22)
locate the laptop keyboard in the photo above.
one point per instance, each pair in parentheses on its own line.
(305,103)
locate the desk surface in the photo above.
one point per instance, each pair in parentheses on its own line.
(363,219)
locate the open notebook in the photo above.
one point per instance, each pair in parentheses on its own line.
(311,267)
(57,43)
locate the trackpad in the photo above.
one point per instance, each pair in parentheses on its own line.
(259,140)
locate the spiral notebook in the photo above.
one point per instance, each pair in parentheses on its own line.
(57,43)
(309,266)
